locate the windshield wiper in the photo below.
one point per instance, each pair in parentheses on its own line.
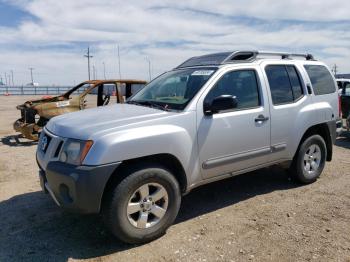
(149,104)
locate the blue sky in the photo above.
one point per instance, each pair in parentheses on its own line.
(52,36)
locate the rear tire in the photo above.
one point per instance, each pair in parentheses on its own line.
(310,160)
(143,205)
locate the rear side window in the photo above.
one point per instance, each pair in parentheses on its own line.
(285,84)
(321,79)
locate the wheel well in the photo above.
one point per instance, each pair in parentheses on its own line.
(323,131)
(167,160)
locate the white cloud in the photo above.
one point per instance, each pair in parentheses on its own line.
(167,32)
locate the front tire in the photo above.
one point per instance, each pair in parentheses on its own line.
(143,205)
(310,160)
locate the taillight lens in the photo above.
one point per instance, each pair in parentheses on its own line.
(339,106)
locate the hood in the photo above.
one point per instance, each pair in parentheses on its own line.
(34,102)
(86,123)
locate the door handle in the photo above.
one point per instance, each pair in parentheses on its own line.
(261,118)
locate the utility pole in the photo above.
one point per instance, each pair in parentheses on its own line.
(120,74)
(13,83)
(104,70)
(335,69)
(149,68)
(88,56)
(31,74)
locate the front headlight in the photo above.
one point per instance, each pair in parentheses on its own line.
(74,151)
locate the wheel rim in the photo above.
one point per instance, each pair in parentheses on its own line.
(312,159)
(147,205)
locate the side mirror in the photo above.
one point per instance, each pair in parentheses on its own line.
(220,103)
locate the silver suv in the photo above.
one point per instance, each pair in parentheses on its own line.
(210,118)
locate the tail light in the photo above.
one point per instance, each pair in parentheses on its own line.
(339,106)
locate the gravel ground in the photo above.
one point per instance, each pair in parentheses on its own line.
(260,216)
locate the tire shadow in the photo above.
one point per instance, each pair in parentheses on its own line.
(33,228)
(343,141)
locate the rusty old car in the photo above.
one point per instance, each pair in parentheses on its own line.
(36,113)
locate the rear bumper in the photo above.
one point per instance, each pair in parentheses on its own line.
(76,188)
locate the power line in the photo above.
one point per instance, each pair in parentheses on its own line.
(88,56)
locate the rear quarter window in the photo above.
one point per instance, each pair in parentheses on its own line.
(321,79)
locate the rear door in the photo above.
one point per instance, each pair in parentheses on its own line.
(287,96)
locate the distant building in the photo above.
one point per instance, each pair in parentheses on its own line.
(342,76)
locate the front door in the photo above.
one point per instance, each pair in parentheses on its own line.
(237,139)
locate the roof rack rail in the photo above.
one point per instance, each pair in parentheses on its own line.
(285,55)
(249,56)
(236,57)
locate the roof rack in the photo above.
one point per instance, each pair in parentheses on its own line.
(237,56)
(284,55)
(249,56)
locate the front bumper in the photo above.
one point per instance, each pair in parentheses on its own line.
(76,188)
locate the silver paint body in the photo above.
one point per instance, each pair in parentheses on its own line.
(208,147)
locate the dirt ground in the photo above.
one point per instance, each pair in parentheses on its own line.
(260,216)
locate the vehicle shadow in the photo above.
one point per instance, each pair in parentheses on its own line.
(17,141)
(33,228)
(343,140)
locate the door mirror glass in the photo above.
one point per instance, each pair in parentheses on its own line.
(220,103)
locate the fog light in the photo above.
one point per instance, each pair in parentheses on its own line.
(64,192)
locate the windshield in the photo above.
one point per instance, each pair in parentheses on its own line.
(174,89)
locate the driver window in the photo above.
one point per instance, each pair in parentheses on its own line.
(100,95)
(86,101)
(242,84)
